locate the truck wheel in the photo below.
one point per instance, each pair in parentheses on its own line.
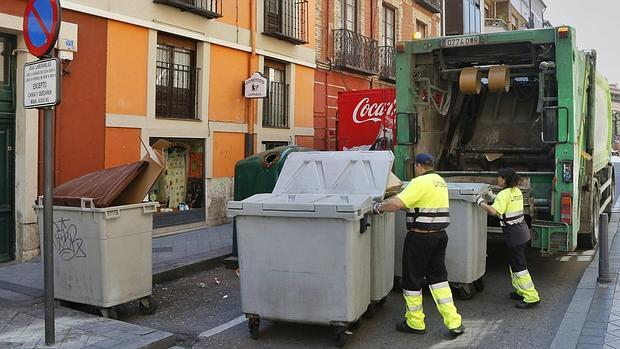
(588,241)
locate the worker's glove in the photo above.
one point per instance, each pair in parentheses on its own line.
(479,199)
(490,195)
(375,207)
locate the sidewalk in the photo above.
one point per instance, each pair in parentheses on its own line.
(592,319)
(21,303)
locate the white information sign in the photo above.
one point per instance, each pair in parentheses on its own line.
(42,83)
(256,86)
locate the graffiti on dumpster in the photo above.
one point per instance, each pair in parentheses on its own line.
(66,240)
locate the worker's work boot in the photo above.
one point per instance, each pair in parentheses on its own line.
(443,299)
(455,332)
(522,282)
(515,296)
(525,305)
(414,314)
(403,327)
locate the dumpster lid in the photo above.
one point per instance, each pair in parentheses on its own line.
(103,186)
(305,205)
(337,172)
(457,190)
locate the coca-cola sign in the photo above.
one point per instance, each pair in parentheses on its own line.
(366,119)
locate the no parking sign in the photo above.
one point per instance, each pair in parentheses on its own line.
(41,25)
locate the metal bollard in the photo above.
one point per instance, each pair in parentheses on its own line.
(603,252)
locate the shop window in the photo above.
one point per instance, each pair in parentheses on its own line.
(180,190)
(176,78)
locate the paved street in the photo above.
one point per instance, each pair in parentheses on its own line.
(197,303)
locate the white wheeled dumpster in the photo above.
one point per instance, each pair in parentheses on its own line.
(467,239)
(102,256)
(305,249)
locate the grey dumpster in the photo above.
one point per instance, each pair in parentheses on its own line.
(305,249)
(102,256)
(467,233)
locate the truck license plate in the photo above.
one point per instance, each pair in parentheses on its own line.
(462,41)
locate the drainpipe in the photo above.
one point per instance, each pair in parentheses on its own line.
(252,67)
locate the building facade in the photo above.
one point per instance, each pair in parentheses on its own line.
(504,15)
(615,109)
(355,50)
(162,72)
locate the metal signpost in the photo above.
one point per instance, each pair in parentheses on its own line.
(42,91)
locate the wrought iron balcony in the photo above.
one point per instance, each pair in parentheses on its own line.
(207,8)
(432,5)
(287,20)
(356,52)
(387,64)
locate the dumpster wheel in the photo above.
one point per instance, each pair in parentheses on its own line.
(479,284)
(464,291)
(254,325)
(340,335)
(148,305)
(110,313)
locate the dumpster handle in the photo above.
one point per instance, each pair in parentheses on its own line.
(112,214)
(150,208)
(90,201)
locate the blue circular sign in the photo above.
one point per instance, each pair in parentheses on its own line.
(41,25)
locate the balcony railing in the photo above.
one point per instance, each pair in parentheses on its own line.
(176,91)
(432,5)
(275,107)
(287,20)
(356,52)
(387,64)
(206,8)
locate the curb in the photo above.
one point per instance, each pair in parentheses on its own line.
(175,272)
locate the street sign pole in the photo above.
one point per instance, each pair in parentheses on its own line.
(48,257)
(41,26)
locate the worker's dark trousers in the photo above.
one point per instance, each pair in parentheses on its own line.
(516,258)
(423,257)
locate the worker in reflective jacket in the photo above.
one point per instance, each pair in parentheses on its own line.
(508,206)
(426,202)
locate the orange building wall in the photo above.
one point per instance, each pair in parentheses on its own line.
(127,75)
(229,68)
(305,141)
(304,96)
(122,146)
(233,8)
(227,150)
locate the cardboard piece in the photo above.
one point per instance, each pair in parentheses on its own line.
(140,187)
(393,186)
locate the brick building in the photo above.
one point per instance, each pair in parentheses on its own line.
(355,50)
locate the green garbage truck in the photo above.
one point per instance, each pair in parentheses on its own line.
(527,99)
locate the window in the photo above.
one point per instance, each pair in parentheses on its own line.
(287,20)
(4,60)
(176,79)
(388,26)
(207,8)
(422,28)
(271,145)
(276,105)
(347,16)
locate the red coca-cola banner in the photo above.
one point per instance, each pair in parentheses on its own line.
(367,119)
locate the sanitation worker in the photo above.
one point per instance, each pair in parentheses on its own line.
(508,207)
(426,202)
